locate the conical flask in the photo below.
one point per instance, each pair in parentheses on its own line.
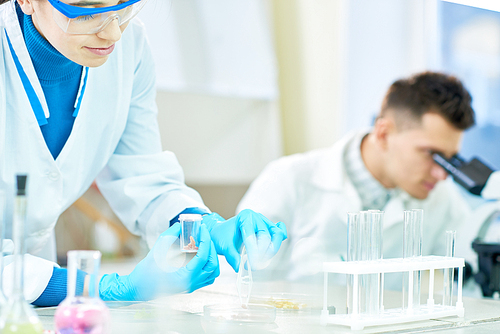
(83,311)
(18,316)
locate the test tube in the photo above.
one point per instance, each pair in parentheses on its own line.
(418,224)
(407,251)
(376,224)
(82,311)
(407,234)
(377,284)
(365,281)
(449,272)
(352,255)
(412,247)
(190,232)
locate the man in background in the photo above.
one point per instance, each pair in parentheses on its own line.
(389,167)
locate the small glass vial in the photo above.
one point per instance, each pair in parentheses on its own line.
(190,232)
(83,311)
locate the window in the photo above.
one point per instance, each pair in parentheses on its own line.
(470,49)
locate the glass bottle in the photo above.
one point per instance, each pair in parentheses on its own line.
(19,316)
(83,311)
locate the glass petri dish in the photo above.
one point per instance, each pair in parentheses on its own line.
(285,302)
(252,313)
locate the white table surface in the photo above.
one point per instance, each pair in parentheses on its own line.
(184,313)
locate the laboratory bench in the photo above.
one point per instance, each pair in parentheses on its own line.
(184,313)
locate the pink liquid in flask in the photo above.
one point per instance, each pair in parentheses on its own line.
(82,319)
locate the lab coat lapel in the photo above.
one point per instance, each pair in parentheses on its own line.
(26,113)
(330,173)
(76,132)
(85,144)
(351,202)
(16,38)
(93,118)
(332,176)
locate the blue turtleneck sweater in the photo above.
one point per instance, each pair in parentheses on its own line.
(60,80)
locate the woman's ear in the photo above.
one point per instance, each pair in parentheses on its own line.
(26,6)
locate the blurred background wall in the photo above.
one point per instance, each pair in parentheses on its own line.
(318,70)
(241,83)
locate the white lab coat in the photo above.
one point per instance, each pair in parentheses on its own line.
(312,193)
(115,140)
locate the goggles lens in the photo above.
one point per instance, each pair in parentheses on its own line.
(93,22)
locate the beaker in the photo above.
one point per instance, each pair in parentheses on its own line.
(449,272)
(190,232)
(82,311)
(18,316)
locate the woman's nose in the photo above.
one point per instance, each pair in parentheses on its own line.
(111,32)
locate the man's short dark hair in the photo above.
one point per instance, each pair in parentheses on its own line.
(428,92)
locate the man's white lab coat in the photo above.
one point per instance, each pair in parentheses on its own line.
(115,140)
(312,193)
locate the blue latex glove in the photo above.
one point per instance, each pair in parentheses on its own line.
(261,237)
(160,272)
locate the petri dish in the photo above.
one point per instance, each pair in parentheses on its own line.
(285,302)
(251,313)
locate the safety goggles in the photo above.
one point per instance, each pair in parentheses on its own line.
(83,20)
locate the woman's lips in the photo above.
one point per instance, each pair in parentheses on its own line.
(101,51)
(429,186)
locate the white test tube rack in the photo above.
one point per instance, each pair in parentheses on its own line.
(431,310)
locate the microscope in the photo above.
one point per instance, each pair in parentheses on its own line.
(471,175)
(481,180)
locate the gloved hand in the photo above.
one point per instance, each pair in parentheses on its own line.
(158,273)
(261,237)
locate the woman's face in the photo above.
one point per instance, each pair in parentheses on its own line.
(86,50)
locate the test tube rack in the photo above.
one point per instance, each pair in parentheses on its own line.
(431,310)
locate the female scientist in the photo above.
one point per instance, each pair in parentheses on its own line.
(77,104)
